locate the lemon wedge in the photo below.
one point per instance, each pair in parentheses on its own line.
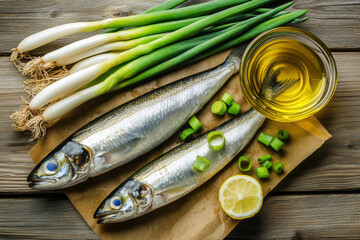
(241,196)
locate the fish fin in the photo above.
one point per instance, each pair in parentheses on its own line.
(271,87)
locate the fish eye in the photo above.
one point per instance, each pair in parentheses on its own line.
(115,202)
(51,167)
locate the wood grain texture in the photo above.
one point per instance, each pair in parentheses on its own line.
(42,218)
(281,217)
(335,22)
(331,216)
(335,166)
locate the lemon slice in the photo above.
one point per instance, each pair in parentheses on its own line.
(241,196)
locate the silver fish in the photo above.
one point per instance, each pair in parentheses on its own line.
(171,176)
(130,130)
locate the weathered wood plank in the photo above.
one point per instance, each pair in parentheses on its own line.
(335,22)
(335,166)
(42,218)
(14,161)
(318,216)
(328,216)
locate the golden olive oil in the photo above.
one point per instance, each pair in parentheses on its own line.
(294,60)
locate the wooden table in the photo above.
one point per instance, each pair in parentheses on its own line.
(320,199)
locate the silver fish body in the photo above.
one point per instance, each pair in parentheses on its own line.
(172,176)
(131,129)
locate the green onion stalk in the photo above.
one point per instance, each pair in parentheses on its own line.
(108,51)
(121,46)
(18,55)
(46,36)
(48,74)
(164,6)
(43,74)
(74,81)
(183,59)
(111,47)
(39,67)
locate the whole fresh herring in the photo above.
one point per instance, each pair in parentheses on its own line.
(130,130)
(171,176)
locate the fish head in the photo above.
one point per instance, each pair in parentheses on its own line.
(65,166)
(131,199)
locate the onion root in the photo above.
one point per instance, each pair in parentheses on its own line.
(37,68)
(34,86)
(30,121)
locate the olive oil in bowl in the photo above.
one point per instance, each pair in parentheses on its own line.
(295,54)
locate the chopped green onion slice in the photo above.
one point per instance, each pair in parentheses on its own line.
(234,109)
(216,140)
(201,164)
(249,163)
(265,158)
(277,144)
(265,139)
(186,134)
(278,167)
(283,135)
(218,108)
(195,123)
(267,164)
(262,172)
(227,98)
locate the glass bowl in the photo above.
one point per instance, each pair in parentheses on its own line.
(287,111)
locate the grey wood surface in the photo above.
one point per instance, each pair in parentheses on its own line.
(282,217)
(319,199)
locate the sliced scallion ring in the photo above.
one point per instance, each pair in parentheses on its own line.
(264,158)
(267,164)
(234,109)
(195,123)
(283,135)
(218,108)
(201,164)
(216,140)
(184,136)
(241,159)
(227,98)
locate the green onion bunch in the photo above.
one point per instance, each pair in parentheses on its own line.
(132,49)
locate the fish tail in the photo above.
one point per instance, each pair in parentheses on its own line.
(271,87)
(236,54)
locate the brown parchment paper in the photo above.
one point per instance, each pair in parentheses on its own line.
(197,215)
